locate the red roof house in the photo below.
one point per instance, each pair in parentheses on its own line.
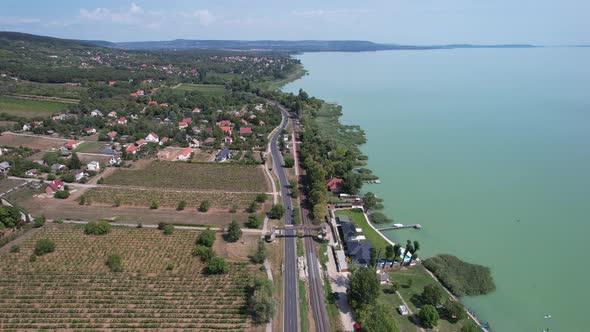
(112,134)
(131,149)
(245,131)
(333,184)
(71,144)
(226,129)
(54,186)
(196,110)
(185,154)
(152,102)
(223,123)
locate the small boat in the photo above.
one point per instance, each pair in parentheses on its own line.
(547,316)
(398,225)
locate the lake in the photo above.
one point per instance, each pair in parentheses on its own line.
(488,149)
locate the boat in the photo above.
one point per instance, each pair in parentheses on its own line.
(398,225)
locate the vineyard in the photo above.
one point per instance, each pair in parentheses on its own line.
(193,176)
(138,197)
(72,288)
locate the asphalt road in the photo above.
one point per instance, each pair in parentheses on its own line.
(290,302)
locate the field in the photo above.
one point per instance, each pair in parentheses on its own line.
(206,89)
(193,176)
(357,218)
(138,197)
(91,147)
(39,142)
(7,184)
(72,288)
(29,108)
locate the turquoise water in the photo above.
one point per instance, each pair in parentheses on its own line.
(466,143)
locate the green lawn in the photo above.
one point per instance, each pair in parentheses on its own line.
(206,89)
(358,219)
(91,147)
(303,306)
(29,108)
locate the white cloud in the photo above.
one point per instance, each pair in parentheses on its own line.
(127,16)
(204,16)
(329,13)
(18,20)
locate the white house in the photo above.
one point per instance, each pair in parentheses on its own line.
(97,113)
(185,154)
(152,137)
(114,161)
(93,166)
(26,127)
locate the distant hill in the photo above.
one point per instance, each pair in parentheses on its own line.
(8,37)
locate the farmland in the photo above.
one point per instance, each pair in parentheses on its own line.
(72,288)
(29,108)
(193,176)
(206,89)
(33,142)
(165,198)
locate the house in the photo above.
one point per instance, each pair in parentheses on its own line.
(403,310)
(122,120)
(223,123)
(152,102)
(227,139)
(115,161)
(383,277)
(27,127)
(348,231)
(90,131)
(164,140)
(226,129)
(243,121)
(245,131)
(164,104)
(54,186)
(111,83)
(79,174)
(57,167)
(187,120)
(252,117)
(4,167)
(209,140)
(194,143)
(70,144)
(96,113)
(182,125)
(140,92)
(93,166)
(333,184)
(261,123)
(131,149)
(359,252)
(133,94)
(223,155)
(112,135)
(156,121)
(152,138)
(185,154)
(196,110)
(31,172)
(140,142)
(112,114)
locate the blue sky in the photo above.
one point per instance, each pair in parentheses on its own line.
(421,22)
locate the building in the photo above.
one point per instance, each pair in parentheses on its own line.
(182,124)
(71,144)
(333,184)
(122,120)
(115,161)
(93,166)
(112,135)
(185,154)
(57,167)
(131,149)
(245,131)
(228,139)
(141,142)
(79,174)
(359,252)
(223,155)
(152,138)
(4,167)
(54,186)
(226,129)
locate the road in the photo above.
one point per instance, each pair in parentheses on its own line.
(290,302)
(316,286)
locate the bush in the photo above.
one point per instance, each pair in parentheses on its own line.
(51,177)
(44,246)
(39,222)
(97,228)
(204,252)
(154,205)
(432,295)
(289,162)
(429,316)
(100,181)
(233,209)
(470,326)
(181,205)
(115,263)
(253,207)
(455,311)
(234,233)
(15,248)
(206,238)
(260,302)
(216,265)
(461,278)
(169,267)
(68,178)
(82,200)
(276,212)
(62,194)
(253,222)
(205,205)
(379,218)
(117,202)
(168,229)
(261,253)
(261,198)
(32,258)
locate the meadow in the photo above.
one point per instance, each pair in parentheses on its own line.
(29,108)
(206,89)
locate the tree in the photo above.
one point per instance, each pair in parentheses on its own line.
(62,194)
(253,222)
(44,246)
(379,218)
(432,295)
(373,256)
(261,253)
(97,228)
(115,263)
(206,238)
(168,229)
(409,248)
(216,265)
(470,327)
(394,287)
(154,205)
(204,252)
(74,162)
(181,205)
(39,222)
(252,207)
(369,200)
(276,212)
(389,252)
(376,318)
(205,205)
(261,198)
(428,316)
(82,200)
(416,247)
(234,233)
(289,162)
(397,251)
(455,311)
(364,287)
(261,303)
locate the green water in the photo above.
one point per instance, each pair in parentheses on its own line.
(466,142)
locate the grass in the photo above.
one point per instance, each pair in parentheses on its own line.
(193,176)
(275,84)
(138,197)
(73,289)
(206,89)
(29,108)
(90,147)
(303,306)
(358,219)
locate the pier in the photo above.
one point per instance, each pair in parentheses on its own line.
(415,226)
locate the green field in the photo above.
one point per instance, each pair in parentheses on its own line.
(193,176)
(357,218)
(29,108)
(91,147)
(206,89)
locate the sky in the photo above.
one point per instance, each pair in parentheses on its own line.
(414,22)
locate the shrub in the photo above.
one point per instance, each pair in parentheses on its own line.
(205,205)
(115,263)
(204,252)
(253,207)
(62,194)
(117,202)
(234,233)
(39,222)
(289,162)
(97,228)
(68,178)
(379,218)
(168,229)
(139,225)
(216,265)
(454,311)
(432,295)
(461,278)
(154,205)
(44,246)
(260,302)
(206,238)
(253,222)
(233,209)
(261,198)
(32,258)
(169,267)
(51,177)
(261,253)
(276,212)
(15,248)
(100,181)
(82,200)
(429,316)
(181,205)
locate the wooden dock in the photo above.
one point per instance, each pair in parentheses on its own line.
(415,226)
